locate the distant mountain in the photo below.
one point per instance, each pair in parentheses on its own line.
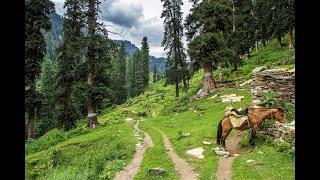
(159,62)
(54,38)
(130,48)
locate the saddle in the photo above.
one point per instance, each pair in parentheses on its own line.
(237,117)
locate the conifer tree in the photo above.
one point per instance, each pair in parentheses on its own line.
(46,87)
(207,27)
(154,73)
(36,19)
(145,60)
(172,43)
(69,57)
(122,74)
(92,24)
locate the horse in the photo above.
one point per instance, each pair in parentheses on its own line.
(256,116)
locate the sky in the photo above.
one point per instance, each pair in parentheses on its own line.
(134,19)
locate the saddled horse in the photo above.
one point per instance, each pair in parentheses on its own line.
(255,117)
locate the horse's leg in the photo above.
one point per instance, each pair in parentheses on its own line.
(253,134)
(226,128)
(224,137)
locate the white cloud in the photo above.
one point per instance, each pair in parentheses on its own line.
(135,19)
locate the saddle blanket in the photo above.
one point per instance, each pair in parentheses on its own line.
(237,121)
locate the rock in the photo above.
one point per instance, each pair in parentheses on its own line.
(246,82)
(236,155)
(206,142)
(223,153)
(249,161)
(186,134)
(129,119)
(216,149)
(258,69)
(292,123)
(214,96)
(260,152)
(197,152)
(157,171)
(278,140)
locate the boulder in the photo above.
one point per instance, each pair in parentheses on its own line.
(197,152)
(258,69)
(157,171)
(249,161)
(206,142)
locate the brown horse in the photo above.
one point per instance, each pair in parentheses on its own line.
(256,117)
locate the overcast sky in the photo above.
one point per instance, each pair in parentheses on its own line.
(134,19)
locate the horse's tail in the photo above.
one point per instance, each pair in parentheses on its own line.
(219,132)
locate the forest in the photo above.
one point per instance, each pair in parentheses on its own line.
(79,81)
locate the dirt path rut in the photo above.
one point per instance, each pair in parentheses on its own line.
(131,169)
(182,167)
(224,171)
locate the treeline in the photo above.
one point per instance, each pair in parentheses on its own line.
(220,32)
(90,72)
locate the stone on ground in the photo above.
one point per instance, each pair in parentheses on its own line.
(249,161)
(236,155)
(197,152)
(206,142)
(187,134)
(258,69)
(157,171)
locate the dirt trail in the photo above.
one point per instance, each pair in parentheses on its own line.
(224,171)
(182,167)
(131,169)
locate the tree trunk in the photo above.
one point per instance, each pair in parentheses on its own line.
(208,83)
(92,121)
(279,41)
(31,124)
(290,39)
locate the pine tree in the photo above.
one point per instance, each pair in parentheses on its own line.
(278,23)
(93,9)
(69,57)
(46,87)
(290,21)
(145,60)
(207,27)
(243,33)
(154,73)
(122,74)
(172,42)
(35,48)
(263,16)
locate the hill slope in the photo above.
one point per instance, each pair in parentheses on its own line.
(100,153)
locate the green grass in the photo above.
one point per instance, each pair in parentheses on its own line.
(270,165)
(154,157)
(200,119)
(101,153)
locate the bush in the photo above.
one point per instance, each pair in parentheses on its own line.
(285,148)
(56,158)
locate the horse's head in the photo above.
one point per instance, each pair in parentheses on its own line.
(280,116)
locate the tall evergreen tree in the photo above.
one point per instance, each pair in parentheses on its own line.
(154,73)
(69,57)
(36,19)
(172,42)
(207,27)
(263,16)
(278,23)
(92,13)
(290,21)
(243,33)
(122,75)
(46,87)
(145,60)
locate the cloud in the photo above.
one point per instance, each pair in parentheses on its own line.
(122,14)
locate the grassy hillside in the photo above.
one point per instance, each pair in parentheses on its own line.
(100,153)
